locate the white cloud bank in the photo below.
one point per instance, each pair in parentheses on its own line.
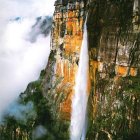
(20,60)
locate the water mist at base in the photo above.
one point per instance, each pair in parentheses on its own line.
(80,98)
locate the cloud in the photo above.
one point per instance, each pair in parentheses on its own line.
(20,59)
(21,112)
(39,132)
(26,8)
(42,26)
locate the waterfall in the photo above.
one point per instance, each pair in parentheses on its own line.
(79,101)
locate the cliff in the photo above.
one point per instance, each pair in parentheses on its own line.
(67,34)
(113,39)
(110,45)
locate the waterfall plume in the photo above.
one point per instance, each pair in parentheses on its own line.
(80,98)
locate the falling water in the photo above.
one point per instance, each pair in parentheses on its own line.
(80,98)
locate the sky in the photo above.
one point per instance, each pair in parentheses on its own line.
(20,59)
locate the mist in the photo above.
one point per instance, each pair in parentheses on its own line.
(39,132)
(23,51)
(20,112)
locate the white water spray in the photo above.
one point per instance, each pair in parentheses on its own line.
(80,98)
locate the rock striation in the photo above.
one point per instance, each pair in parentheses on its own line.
(67,35)
(113,28)
(109,46)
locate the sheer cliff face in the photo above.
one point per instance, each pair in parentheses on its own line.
(114,51)
(113,37)
(67,34)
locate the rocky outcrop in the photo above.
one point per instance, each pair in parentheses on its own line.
(67,34)
(110,43)
(114,52)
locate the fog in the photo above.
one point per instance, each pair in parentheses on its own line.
(21,60)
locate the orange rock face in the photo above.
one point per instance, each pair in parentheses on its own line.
(67,35)
(123,71)
(67,39)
